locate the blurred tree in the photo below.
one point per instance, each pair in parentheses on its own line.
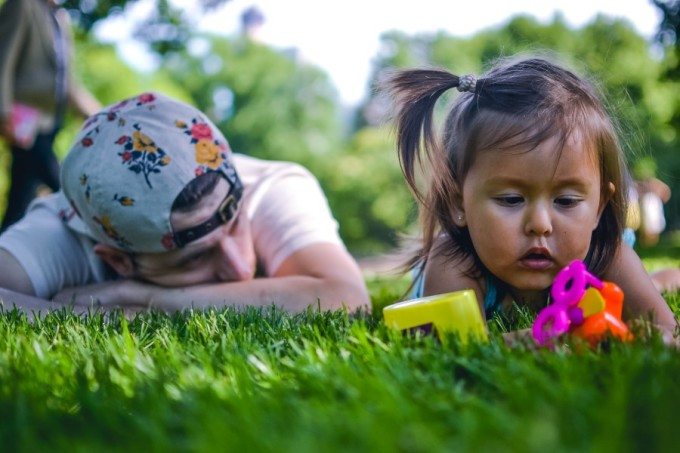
(669,38)
(367,193)
(110,80)
(272,105)
(166,28)
(266,102)
(669,34)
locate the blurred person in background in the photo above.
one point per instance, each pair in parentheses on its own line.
(652,195)
(36,87)
(645,221)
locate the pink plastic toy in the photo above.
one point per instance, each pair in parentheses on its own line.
(582,305)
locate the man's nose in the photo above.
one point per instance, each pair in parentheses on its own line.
(232,262)
(539,220)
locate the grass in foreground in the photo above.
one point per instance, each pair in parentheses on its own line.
(263,380)
(268,381)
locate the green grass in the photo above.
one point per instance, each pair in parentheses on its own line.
(269,381)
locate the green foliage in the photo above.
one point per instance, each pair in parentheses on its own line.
(272,105)
(267,103)
(116,82)
(668,38)
(166,28)
(367,193)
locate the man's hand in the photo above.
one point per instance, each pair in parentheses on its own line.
(106,296)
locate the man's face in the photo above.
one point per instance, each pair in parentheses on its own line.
(223,255)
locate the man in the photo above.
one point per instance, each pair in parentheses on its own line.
(153,214)
(35,87)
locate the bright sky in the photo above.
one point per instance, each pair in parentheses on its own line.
(342,36)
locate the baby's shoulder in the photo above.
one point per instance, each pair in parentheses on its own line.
(444,274)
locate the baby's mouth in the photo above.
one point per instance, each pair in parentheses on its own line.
(537,258)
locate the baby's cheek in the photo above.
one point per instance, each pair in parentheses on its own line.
(490,244)
(575,243)
(498,230)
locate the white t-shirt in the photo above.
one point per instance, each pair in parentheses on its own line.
(284,202)
(651,208)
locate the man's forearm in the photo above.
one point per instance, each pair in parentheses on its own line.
(31,305)
(293,293)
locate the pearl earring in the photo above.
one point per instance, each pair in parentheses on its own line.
(460,216)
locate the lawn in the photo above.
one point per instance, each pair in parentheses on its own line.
(269,381)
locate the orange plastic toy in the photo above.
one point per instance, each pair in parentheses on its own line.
(584,306)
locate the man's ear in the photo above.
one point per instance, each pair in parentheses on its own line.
(605,198)
(118,260)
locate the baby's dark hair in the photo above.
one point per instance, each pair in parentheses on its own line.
(520,103)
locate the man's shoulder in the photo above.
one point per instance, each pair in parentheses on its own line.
(252,169)
(53,253)
(56,211)
(53,203)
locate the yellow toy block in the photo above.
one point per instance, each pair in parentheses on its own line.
(450,312)
(592,302)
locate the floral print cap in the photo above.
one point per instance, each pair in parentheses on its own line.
(131,160)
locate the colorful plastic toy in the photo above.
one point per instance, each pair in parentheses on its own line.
(450,312)
(583,305)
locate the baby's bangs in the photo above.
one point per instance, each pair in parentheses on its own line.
(498,131)
(595,130)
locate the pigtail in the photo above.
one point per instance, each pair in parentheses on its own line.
(415,93)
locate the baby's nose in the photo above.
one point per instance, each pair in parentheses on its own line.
(539,221)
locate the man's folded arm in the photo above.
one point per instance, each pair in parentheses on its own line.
(320,275)
(16,289)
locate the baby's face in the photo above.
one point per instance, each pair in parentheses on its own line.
(530,214)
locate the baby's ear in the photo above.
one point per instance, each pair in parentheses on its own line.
(457,211)
(605,198)
(459,218)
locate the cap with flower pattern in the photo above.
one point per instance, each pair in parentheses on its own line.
(131,160)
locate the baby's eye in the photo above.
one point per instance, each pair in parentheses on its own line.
(509,200)
(567,202)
